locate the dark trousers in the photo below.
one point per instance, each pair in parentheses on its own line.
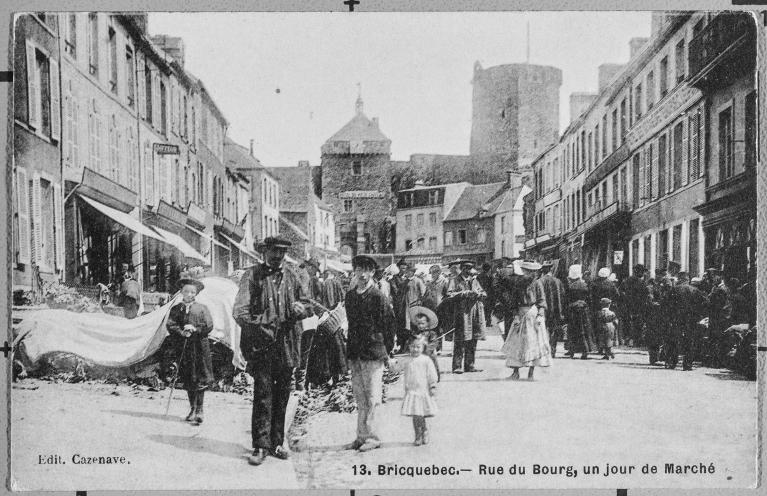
(271,391)
(463,353)
(403,337)
(684,343)
(634,325)
(555,330)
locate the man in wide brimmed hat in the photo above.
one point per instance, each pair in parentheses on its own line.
(269,308)
(466,296)
(370,340)
(399,299)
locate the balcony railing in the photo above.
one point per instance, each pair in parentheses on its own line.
(609,164)
(597,214)
(725,33)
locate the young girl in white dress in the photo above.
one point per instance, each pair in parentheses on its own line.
(420,388)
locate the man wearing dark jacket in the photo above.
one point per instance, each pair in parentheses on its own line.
(634,299)
(687,306)
(269,311)
(371,338)
(554,291)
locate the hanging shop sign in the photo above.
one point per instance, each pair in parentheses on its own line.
(165,149)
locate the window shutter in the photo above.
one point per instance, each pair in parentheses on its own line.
(55,99)
(22,207)
(156,103)
(653,167)
(100,162)
(685,153)
(33,88)
(645,197)
(140,90)
(76,130)
(173,119)
(701,141)
(37,232)
(58,212)
(69,130)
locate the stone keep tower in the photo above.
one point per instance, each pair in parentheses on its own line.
(356,183)
(515,111)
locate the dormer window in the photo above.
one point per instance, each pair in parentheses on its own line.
(357,168)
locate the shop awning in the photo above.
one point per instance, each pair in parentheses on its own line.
(122,218)
(241,246)
(186,249)
(208,237)
(338,266)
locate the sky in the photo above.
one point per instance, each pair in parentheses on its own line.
(289,81)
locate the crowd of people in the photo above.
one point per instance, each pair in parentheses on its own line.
(407,311)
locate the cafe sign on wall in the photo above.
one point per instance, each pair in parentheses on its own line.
(356,195)
(165,149)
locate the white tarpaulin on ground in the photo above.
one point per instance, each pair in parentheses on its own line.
(112,341)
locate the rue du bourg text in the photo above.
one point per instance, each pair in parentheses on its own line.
(79,459)
(538,469)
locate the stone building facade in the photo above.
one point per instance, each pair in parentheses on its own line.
(118,159)
(515,111)
(420,215)
(300,207)
(38,226)
(723,67)
(639,167)
(356,181)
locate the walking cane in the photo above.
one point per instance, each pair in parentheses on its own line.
(175,376)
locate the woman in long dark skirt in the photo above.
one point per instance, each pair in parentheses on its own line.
(190,323)
(580,333)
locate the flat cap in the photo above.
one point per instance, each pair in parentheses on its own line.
(364,262)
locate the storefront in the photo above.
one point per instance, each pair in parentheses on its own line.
(170,255)
(606,238)
(101,234)
(729,226)
(230,254)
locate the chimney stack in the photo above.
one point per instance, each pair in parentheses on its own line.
(579,102)
(251,147)
(606,74)
(513,179)
(303,163)
(172,45)
(636,45)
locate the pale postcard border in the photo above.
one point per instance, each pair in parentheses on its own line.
(8,7)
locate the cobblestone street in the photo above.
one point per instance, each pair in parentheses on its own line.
(623,412)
